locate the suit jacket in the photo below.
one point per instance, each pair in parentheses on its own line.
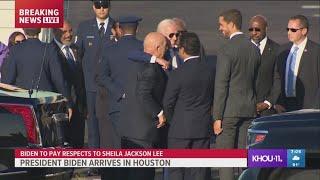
(90,45)
(141,56)
(308,79)
(265,79)
(236,73)
(266,71)
(112,71)
(73,76)
(188,100)
(144,92)
(24,64)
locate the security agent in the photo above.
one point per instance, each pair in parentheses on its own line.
(92,36)
(112,75)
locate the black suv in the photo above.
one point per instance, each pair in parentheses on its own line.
(36,122)
(292,130)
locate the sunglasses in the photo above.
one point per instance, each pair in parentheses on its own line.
(99,6)
(293,29)
(174,34)
(254,29)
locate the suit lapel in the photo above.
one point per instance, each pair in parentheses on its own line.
(95,28)
(60,53)
(267,49)
(304,58)
(283,61)
(108,30)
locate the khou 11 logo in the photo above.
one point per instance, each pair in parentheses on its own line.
(267,158)
(276,158)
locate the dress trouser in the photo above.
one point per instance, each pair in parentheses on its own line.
(189,173)
(112,140)
(233,136)
(92,121)
(76,128)
(104,123)
(137,173)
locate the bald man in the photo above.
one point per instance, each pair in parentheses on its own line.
(268,50)
(141,115)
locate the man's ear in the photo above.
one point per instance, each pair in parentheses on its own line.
(304,31)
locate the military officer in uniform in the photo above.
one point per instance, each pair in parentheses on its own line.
(92,36)
(112,75)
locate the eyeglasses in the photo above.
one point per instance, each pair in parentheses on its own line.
(293,29)
(254,29)
(174,34)
(99,6)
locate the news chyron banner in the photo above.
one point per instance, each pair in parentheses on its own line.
(38,14)
(159,158)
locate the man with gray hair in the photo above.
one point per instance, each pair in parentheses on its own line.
(169,29)
(70,61)
(182,26)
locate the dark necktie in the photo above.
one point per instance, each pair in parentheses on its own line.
(258,45)
(101,30)
(70,59)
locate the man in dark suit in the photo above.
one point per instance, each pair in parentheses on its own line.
(187,105)
(92,35)
(235,95)
(268,50)
(34,65)
(298,68)
(72,71)
(141,111)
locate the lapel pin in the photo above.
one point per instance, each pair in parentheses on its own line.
(305,50)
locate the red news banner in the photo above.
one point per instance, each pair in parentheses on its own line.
(38,14)
(130,158)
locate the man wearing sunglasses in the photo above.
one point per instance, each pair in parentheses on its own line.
(169,29)
(298,68)
(92,35)
(268,49)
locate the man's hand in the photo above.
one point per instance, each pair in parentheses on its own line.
(279,108)
(162,121)
(164,63)
(69,114)
(217,127)
(262,106)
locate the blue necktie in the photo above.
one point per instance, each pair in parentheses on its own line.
(70,59)
(292,64)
